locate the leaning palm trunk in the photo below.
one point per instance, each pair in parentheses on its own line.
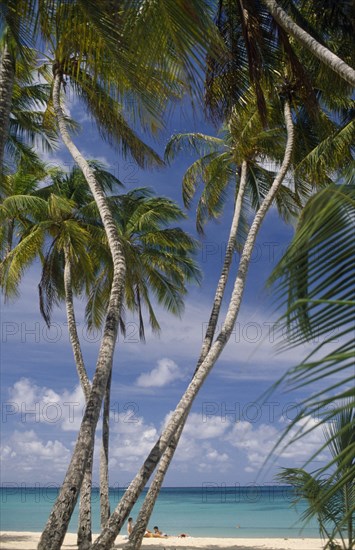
(7,79)
(228,257)
(326,56)
(124,507)
(104,482)
(136,537)
(57,524)
(84,527)
(84,536)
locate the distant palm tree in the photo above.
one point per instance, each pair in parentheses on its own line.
(77,258)
(52,224)
(26,118)
(159,264)
(331,500)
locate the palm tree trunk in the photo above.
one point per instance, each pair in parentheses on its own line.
(124,507)
(73,333)
(84,528)
(135,540)
(7,79)
(136,537)
(57,524)
(84,535)
(104,481)
(221,286)
(321,52)
(10,226)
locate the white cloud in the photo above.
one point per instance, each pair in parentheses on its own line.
(257,441)
(165,373)
(130,442)
(217,445)
(200,445)
(38,404)
(198,428)
(25,454)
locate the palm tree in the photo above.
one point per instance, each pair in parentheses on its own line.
(159,262)
(238,156)
(59,226)
(99,76)
(7,78)
(311,44)
(159,259)
(25,116)
(212,168)
(17,187)
(58,282)
(123,508)
(330,500)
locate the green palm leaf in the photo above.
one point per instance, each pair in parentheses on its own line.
(316,284)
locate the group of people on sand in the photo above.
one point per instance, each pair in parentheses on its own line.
(156,533)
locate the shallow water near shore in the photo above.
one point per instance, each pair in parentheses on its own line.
(206,511)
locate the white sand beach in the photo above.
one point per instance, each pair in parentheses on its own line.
(18,540)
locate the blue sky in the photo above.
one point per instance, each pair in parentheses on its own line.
(230,430)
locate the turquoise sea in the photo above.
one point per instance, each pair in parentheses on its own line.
(207,511)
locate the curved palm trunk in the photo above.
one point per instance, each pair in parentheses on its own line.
(73,333)
(7,79)
(84,527)
(104,482)
(124,507)
(57,524)
(321,52)
(135,540)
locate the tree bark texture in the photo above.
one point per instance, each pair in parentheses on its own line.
(7,79)
(228,257)
(136,537)
(124,507)
(84,535)
(104,481)
(73,333)
(85,523)
(57,524)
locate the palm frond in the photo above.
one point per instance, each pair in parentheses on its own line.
(111,123)
(201,144)
(316,284)
(19,259)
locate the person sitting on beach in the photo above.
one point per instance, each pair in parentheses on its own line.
(183,535)
(157,533)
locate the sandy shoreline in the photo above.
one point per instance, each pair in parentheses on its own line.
(23,540)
